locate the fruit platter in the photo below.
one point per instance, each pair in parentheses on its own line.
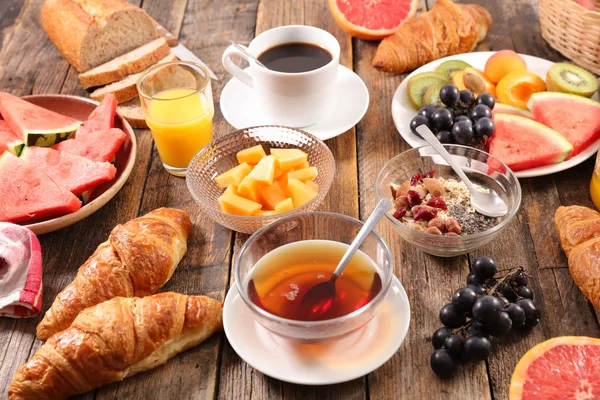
(567,150)
(88,170)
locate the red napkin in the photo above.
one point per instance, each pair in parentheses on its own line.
(20,272)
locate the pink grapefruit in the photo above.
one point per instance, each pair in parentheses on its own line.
(372,19)
(564,367)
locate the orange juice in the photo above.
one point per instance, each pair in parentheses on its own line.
(181,124)
(595,184)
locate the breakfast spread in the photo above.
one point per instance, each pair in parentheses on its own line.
(439,206)
(495,114)
(114,340)
(264,184)
(138,258)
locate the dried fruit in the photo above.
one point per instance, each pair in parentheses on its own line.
(423,213)
(414,199)
(401,201)
(437,223)
(399,190)
(401,212)
(430,174)
(433,230)
(437,202)
(435,187)
(416,179)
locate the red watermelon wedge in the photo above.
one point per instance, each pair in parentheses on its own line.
(35,125)
(8,140)
(508,109)
(522,143)
(102,118)
(96,146)
(74,172)
(577,118)
(28,193)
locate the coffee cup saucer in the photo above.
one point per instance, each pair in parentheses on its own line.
(327,362)
(350,96)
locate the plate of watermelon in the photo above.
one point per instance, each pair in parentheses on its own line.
(556,131)
(56,170)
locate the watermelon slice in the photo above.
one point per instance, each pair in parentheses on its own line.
(102,118)
(35,125)
(74,172)
(96,146)
(576,117)
(8,140)
(28,193)
(508,109)
(522,143)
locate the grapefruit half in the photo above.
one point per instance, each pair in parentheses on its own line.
(564,367)
(372,19)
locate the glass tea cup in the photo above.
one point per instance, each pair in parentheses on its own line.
(177,103)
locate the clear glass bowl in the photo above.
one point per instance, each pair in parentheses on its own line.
(313,226)
(219,155)
(481,167)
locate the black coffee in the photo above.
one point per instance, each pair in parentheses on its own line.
(295,57)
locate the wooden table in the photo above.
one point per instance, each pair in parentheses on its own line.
(30,64)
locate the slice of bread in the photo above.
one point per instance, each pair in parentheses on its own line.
(132,111)
(125,90)
(130,63)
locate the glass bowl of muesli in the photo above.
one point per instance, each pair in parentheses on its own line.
(432,207)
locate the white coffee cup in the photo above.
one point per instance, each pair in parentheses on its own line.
(291,99)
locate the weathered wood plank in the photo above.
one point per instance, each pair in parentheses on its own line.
(9,14)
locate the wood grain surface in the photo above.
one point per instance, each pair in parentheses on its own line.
(30,64)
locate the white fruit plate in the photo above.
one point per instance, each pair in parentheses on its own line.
(403,112)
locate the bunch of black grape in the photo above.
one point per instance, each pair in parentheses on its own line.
(488,306)
(464,119)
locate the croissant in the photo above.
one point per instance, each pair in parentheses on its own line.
(138,258)
(444,30)
(578,229)
(115,340)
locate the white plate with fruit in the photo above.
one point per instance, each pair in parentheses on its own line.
(533,130)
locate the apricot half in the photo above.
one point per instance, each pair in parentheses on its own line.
(503,62)
(517,87)
(473,80)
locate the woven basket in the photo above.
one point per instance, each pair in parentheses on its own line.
(573,30)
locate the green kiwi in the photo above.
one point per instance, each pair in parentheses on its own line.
(428,74)
(417,88)
(569,78)
(432,96)
(447,68)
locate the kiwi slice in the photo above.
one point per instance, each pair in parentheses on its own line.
(447,68)
(430,75)
(432,96)
(418,87)
(569,78)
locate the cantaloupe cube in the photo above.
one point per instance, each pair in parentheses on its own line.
(233,176)
(305,164)
(266,213)
(283,180)
(299,192)
(305,174)
(271,195)
(312,185)
(264,172)
(248,189)
(289,158)
(278,172)
(238,205)
(251,155)
(284,206)
(231,189)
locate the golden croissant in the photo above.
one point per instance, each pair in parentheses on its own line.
(444,30)
(115,340)
(138,258)
(579,231)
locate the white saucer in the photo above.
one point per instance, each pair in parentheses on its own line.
(326,363)
(241,110)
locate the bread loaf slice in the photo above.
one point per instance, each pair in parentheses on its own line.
(89,33)
(131,63)
(125,89)
(132,111)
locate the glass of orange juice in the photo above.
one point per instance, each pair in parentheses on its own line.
(177,102)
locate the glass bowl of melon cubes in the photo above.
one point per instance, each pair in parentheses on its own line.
(253,176)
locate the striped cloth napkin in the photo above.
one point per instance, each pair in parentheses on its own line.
(20,272)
